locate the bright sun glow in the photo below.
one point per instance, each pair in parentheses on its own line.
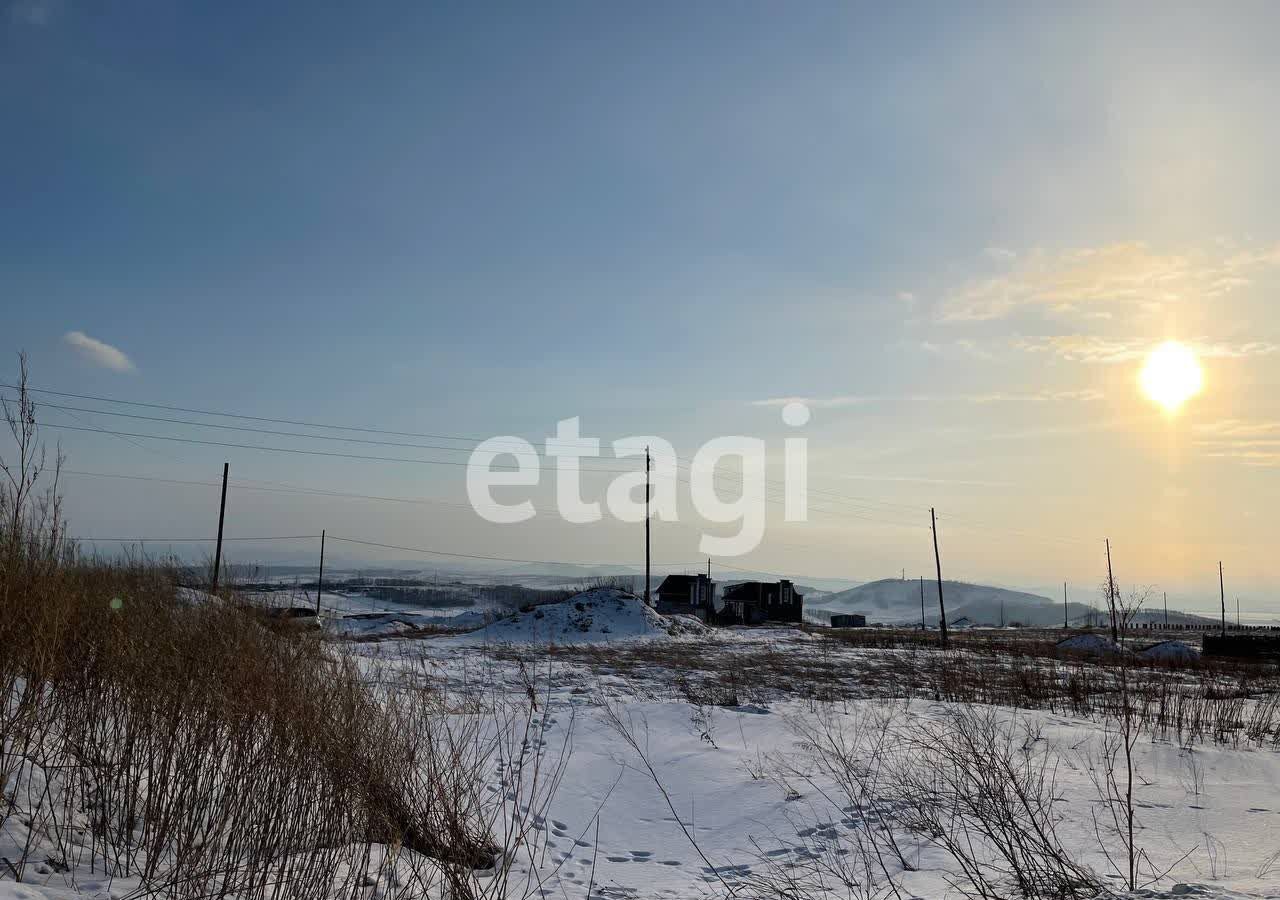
(1172,375)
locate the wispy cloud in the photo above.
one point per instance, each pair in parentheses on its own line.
(34,12)
(1251,442)
(1075,281)
(98,352)
(962,347)
(1237,428)
(1095,349)
(1080,396)
(814,402)
(916,479)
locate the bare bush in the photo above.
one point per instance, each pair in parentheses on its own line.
(968,782)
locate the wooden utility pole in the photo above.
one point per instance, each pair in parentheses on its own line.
(1066,611)
(1111,597)
(646,527)
(320,577)
(1238,623)
(1166,609)
(942,607)
(923,627)
(1222,593)
(222,513)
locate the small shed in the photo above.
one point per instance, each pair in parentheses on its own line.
(849,621)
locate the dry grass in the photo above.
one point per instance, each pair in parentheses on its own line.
(198,749)
(1219,701)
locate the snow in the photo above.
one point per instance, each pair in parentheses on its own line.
(1179,651)
(726,777)
(365,626)
(1091,644)
(610,825)
(192,597)
(897,601)
(597,616)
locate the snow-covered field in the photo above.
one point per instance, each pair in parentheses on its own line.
(733,799)
(693,766)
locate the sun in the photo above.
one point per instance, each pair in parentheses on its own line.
(1171,375)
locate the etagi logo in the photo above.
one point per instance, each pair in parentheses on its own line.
(625,496)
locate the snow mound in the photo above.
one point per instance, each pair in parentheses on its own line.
(595,616)
(1092,644)
(1179,651)
(372,626)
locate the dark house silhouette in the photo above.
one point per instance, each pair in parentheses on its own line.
(687,595)
(852,620)
(757,602)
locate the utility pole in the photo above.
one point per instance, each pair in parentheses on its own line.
(222,513)
(1066,612)
(1111,596)
(1166,609)
(923,627)
(646,526)
(942,607)
(1222,593)
(320,577)
(1238,628)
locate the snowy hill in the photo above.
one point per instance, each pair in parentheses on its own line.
(893,601)
(595,616)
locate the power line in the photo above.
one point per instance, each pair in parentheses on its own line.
(367,430)
(245,428)
(173,540)
(382,443)
(324,492)
(864,504)
(541,562)
(328,453)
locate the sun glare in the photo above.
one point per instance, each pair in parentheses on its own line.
(1171,375)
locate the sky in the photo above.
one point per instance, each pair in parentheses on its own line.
(955,232)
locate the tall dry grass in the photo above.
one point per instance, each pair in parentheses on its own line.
(178,742)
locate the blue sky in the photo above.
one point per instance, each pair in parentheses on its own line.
(955,231)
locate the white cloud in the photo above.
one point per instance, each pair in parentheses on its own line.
(98,352)
(1094,349)
(34,12)
(1249,442)
(815,402)
(960,347)
(1071,281)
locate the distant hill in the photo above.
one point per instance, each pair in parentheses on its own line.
(896,602)
(893,601)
